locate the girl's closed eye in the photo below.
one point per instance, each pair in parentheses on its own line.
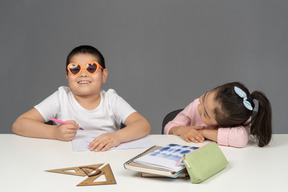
(205,115)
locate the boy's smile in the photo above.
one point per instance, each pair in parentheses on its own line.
(83,82)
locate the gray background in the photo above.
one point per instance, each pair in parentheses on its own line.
(161,54)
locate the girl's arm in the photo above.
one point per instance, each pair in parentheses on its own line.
(233,137)
(136,127)
(188,133)
(32,124)
(210,134)
(182,119)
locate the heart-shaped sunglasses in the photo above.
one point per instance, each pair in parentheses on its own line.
(91,67)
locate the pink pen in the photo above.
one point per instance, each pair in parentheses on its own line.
(62,122)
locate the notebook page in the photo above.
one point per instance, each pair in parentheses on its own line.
(81,143)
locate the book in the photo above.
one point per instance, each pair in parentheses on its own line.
(160,160)
(183,175)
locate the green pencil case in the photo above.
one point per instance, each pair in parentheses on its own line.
(204,162)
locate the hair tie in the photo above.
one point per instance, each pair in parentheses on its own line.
(243,95)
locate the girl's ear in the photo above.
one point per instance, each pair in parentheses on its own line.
(104,75)
(66,75)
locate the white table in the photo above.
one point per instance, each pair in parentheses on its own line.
(24,161)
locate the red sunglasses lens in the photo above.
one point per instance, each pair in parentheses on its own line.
(91,68)
(74,69)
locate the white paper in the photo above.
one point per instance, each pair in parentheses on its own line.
(81,143)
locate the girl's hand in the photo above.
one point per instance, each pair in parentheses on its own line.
(189,133)
(67,132)
(104,142)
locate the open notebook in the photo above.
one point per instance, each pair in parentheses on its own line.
(160,160)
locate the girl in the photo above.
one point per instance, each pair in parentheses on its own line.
(84,103)
(225,115)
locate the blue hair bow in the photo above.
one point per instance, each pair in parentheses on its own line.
(243,95)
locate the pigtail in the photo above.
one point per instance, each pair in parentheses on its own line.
(261,126)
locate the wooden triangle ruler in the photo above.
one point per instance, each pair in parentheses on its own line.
(106,171)
(79,171)
(92,171)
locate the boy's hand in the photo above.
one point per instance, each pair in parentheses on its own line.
(104,142)
(67,132)
(189,133)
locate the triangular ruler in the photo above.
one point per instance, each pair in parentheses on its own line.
(87,170)
(105,171)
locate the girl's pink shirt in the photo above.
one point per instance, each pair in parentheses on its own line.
(234,136)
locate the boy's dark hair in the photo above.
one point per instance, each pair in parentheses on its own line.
(232,111)
(86,49)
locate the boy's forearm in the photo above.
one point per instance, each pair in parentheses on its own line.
(135,130)
(31,128)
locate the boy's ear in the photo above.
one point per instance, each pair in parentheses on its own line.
(104,75)
(66,75)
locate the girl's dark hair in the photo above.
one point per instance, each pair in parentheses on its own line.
(232,111)
(86,49)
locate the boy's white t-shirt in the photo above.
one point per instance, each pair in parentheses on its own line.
(107,117)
